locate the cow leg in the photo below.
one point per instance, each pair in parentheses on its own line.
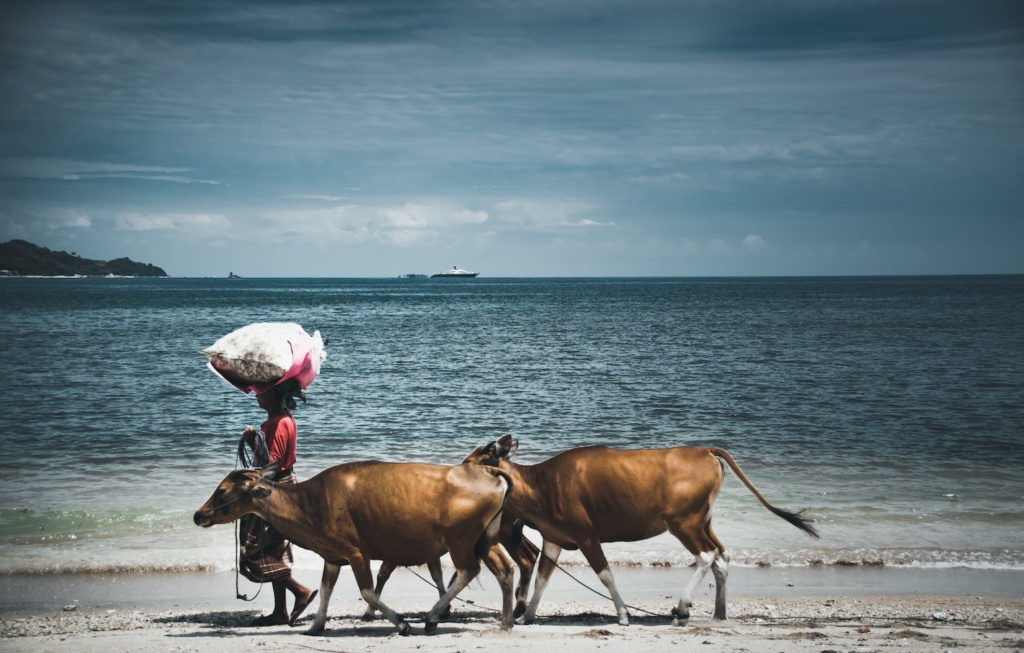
(327,582)
(548,560)
(682,611)
(720,568)
(386,569)
(594,554)
(499,565)
(463,575)
(694,535)
(524,553)
(364,579)
(434,567)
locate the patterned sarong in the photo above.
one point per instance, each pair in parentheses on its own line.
(266,555)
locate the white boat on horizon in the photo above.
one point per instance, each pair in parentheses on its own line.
(454,273)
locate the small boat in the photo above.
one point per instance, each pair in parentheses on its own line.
(454,273)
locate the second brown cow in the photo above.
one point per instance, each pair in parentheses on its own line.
(589,495)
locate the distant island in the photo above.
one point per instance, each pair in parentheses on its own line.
(19,258)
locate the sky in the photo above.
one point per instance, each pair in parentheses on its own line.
(284,138)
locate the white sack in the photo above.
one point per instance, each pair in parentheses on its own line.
(264,352)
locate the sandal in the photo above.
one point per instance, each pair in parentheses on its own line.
(301,607)
(266,620)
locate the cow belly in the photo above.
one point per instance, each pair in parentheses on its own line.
(406,551)
(625,529)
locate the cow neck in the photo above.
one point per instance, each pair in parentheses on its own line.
(523,497)
(282,509)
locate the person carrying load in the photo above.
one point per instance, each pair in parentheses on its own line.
(277,361)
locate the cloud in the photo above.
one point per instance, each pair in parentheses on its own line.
(71,170)
(421,222)
(424,216)
(719,246)
(754,243)
(322,198)
(546,214)
(202,223)
(171,178)
(77,220)
(404,225)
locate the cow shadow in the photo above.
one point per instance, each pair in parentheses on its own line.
(239,623)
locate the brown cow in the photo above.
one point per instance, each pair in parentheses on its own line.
(401,513)
(589,495)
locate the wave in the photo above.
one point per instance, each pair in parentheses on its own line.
(205,560)
(908,558)
(107,569)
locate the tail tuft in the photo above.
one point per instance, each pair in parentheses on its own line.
(798,520)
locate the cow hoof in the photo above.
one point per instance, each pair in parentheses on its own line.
(366,616)
(447,614)
(315,630)
(404,629)
(506,626)
(719,617)
(430,627)
(526,619)
(680,618)
(519,610)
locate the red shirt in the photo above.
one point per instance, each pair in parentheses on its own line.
(281,437)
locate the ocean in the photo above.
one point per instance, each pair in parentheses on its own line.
(892,408)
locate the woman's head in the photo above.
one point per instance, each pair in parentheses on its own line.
(280,397)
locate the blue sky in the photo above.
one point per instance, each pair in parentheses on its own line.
(547,138)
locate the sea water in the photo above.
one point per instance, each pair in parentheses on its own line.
(891,408)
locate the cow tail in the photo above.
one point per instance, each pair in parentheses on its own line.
(497,473)
(795,518)
(490,534)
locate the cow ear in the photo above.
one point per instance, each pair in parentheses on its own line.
(507,446)
(270,470)
(260,491)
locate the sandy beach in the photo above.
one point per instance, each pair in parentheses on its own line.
(770,611)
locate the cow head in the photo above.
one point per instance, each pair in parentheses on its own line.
(493,453)
(234,496)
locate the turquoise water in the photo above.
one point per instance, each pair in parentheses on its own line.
(892,408)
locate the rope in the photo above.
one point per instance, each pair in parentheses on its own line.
(238,562)
(563,570)
(466,601)
(260,445)
(602,595)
